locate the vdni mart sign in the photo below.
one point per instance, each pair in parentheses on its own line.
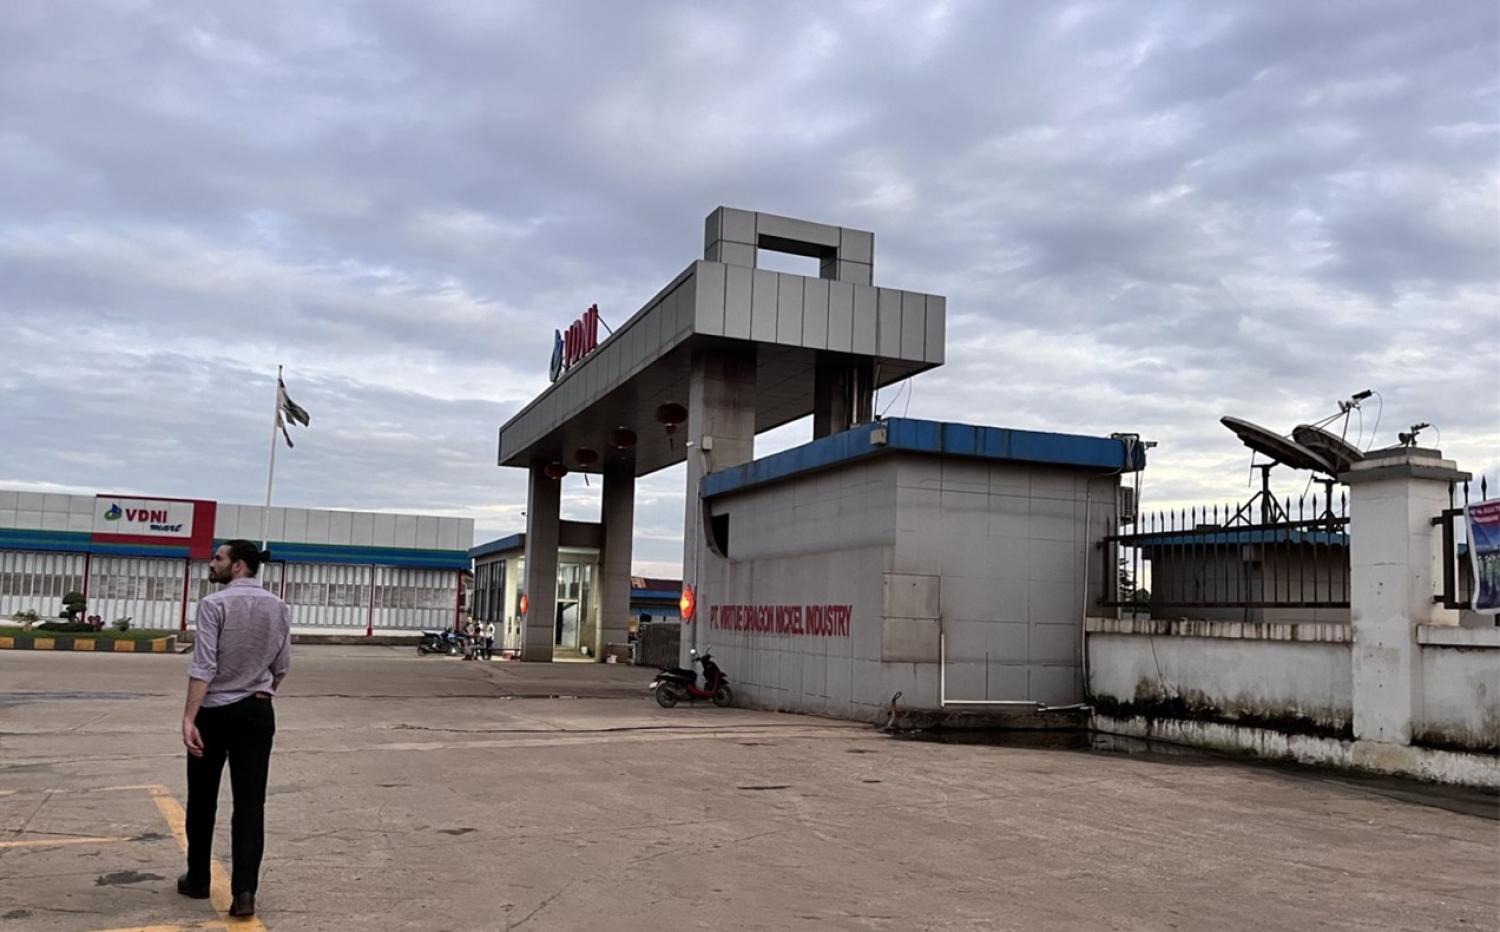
(142,517)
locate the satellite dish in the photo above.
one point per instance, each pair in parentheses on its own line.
(1338,451)
(1272,445)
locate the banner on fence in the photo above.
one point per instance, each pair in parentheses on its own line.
(1483,520)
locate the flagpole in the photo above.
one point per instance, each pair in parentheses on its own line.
(265,515)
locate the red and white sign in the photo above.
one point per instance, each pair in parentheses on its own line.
(162,522)
(143,517)
(570,346)
(829,621)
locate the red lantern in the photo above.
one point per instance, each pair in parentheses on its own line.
(622,438)
(524,604)
(585,457)
(555,471)
(688,604)
(671,414)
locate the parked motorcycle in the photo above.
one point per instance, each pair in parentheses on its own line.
(440,642)
(674,684)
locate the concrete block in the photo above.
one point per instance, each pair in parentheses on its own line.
(856,273)
(1052,519)
(1010,643)
(763,306)
(55,502)
(789,309)
(362,529)
(888,327)
(1056,643)
(8,500)
(918,472)
(341,528)
(967,599)
(317,527)
(295,526)
(737,302)
(1053,483)
(54,520)
(1053,602)
(1010,479)
(738,255)
(1055,685)
(8,518)
(800,231)
(29,520)
(77,522)
(934,346)
(1054,561)
(911,596)
(406,530)
(962,475)
(31,501)
(80,505)
(866,317)
(384,531)
(841,317)
(708,315)
(815,313)
(738,225)
(913,325)
(226,522)
(857,246)
(427,532)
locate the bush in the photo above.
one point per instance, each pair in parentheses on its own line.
(73,605)
(26,615)
(122,624)
(65,627)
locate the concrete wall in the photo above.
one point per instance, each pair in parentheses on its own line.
(1293,677)
(1460,689)
(991,555)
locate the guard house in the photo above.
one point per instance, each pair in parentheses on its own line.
(823,577)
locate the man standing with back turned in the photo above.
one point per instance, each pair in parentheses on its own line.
(241,653)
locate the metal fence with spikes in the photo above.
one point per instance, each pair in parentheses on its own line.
(1458,578)
(1211,559)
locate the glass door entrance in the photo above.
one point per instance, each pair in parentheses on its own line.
(574,597)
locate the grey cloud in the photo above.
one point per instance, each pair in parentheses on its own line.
(1142,215)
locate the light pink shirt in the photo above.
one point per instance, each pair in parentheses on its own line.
(243,642)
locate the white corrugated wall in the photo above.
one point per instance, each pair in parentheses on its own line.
(147,590)
(37,580)
(328,595)
(415,599)
(270,578)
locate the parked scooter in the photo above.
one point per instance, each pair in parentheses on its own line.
(674,684)
(440,642)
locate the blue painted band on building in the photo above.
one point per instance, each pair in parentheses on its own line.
(905,435)
(82,542)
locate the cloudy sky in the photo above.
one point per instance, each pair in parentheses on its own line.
(1145,216)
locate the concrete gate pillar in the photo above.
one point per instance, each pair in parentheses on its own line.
(543,504)
(1395,569)
(721,429)
(617,513)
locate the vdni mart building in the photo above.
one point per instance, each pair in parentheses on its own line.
(146,559)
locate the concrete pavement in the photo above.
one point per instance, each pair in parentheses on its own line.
(432,793)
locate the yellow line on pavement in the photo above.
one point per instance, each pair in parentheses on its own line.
(219,878)
(53,842)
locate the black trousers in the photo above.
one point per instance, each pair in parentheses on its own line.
(241,733)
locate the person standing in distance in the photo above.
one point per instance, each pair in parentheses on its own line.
(489,640)
(241,653)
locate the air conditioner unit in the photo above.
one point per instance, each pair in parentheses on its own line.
(1127,505)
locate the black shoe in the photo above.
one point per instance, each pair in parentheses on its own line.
(190,889)
(243,905)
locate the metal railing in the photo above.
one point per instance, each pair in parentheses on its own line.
(1295,557)
(1458,580)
